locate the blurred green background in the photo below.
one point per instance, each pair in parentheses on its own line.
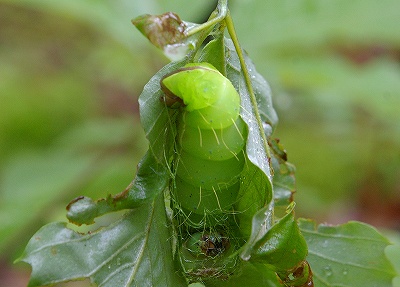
(71,72)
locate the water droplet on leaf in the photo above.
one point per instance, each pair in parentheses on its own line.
(328,271)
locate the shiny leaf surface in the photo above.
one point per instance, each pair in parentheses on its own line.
(129,252)
(350,254)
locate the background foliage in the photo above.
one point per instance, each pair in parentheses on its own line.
(71,72)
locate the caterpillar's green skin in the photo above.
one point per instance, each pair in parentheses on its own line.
(211,137)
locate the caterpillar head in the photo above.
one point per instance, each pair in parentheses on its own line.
(209,98)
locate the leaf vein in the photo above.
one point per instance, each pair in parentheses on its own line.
(113,255)
(366,267)
(118,270)
(142,249)
(315,233)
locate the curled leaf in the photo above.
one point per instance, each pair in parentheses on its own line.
(283,247)
(299,276)
(162,29)
(167,32)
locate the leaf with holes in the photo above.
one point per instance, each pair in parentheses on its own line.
(134,251)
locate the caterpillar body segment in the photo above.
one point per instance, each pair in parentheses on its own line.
(210,141)
(213,144)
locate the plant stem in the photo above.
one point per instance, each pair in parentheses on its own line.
(232,33)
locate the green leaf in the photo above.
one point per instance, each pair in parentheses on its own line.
(134,251)
(284,179)
(214,53)
(250,275)
(350,254)
(282,247)
(393,254)
(254,195)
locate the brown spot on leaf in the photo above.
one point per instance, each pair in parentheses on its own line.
(122,195)
(162,29)
(299,276)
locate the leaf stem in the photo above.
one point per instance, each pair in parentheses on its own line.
(232,33)
(222,10)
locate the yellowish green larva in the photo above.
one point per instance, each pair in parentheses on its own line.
(211,138)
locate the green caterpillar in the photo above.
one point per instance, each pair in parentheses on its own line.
(210,141)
